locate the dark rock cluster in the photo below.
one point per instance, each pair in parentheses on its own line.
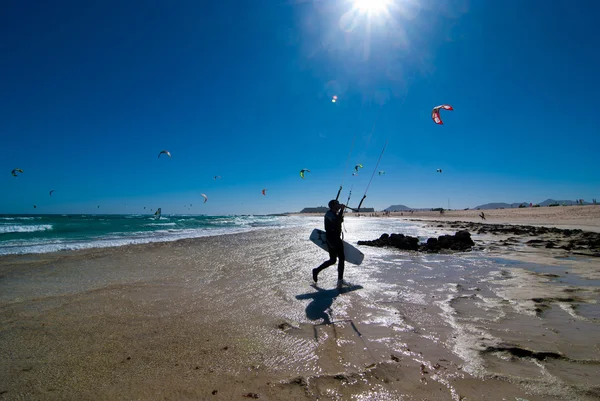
(461,241)
(574,241)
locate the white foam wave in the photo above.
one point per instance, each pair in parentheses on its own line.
(114,240)
(161,231)
(5,229)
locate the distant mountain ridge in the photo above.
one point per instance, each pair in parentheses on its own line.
(547,202)
(323,209)
(494,205)
(320,209)
(501,205)
(402,208)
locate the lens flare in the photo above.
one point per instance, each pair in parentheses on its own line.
(372,6)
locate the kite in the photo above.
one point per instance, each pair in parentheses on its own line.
(166,152)
(435,113)
(217,176)
(302,172)
(381,172)
(334,99)
(205,198)
(14,172)
(439,170)
(357,167)
(264,191)
(51,192)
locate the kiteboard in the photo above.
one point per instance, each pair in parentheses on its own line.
(353,255)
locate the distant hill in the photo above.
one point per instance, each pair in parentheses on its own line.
(494,205)
(320,209)
(403,208)
(547,202)
(396,208)
(323,209)
(562,202)
(500,205)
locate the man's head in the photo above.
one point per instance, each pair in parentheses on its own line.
(334,204)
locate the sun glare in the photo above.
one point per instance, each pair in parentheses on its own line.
(372,6)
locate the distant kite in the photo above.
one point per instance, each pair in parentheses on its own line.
(14,172)
(166,152)
(51,192)
(357,167)
(303,171)
(217,176)
(439,170)
(435,113)
(205,198)
(334,99)
(381,172)
(264,191)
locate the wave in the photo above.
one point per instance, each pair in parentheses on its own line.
(92,232)
(115,240)
(5,229)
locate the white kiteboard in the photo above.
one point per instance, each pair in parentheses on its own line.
(353,255)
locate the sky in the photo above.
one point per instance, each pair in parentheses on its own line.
(91,92)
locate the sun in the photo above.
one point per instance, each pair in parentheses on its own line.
(372,6)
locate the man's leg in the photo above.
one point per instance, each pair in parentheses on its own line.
(325,265)
(342,259)
(341,263)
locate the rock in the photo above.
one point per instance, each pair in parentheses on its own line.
(399,241)
(461,241)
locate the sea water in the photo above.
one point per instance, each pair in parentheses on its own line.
(23,234)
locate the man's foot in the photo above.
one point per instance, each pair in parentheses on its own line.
(315,274)
(341,283)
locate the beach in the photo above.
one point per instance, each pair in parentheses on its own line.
(574,217)
(237,316)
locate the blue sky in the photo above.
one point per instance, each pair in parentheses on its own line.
(91,92)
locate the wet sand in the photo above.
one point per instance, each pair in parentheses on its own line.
(235,317)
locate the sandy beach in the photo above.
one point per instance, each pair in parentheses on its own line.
(235,317)
(568,217)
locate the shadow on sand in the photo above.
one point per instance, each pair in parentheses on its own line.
(320,307)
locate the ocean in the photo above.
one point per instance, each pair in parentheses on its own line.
(23,234)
